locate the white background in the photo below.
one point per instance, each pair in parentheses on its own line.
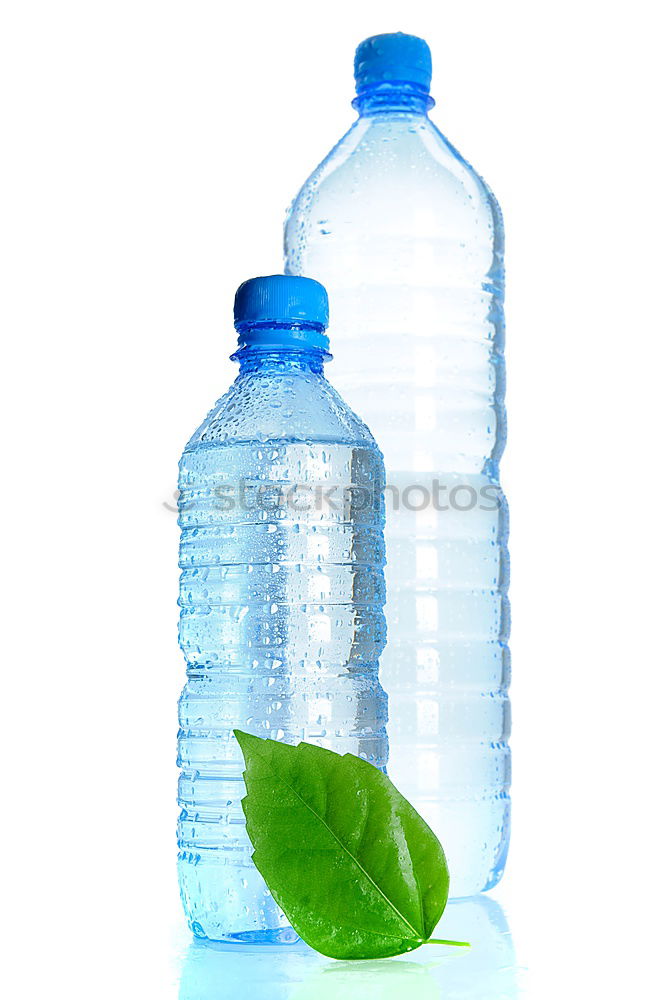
(149,152)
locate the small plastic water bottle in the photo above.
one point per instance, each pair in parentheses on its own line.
(281,592)
(408,240)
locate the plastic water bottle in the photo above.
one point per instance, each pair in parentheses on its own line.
(281,592)
(408,240)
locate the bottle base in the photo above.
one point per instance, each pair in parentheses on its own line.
(276,935)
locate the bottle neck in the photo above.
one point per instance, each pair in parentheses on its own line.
(280,359)
(281,346)
(393,98)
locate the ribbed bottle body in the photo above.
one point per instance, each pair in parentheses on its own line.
(409,242)
(281,621)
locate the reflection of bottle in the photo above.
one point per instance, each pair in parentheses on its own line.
(281,592)
(408,240)
(245,972)
(485,971)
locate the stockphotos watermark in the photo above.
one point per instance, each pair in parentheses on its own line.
(249,495)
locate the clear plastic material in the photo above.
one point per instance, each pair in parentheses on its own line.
(408,240)
(281,623)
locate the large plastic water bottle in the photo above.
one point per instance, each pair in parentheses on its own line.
(408,240)
(281,592)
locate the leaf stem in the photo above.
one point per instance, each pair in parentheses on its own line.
(455,944)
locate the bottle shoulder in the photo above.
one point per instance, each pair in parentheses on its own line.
(373,159)
(396,203)
(275,406)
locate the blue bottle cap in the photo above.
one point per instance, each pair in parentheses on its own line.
(282,301)
(393,58)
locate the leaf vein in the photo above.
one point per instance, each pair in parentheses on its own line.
(355,861)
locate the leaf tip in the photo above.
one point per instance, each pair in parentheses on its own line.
(242,738)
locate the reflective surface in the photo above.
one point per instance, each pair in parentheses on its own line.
(486,971)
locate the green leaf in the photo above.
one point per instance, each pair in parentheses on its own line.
(354,867)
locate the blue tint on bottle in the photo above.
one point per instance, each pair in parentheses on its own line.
(281,593)
(408,240)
